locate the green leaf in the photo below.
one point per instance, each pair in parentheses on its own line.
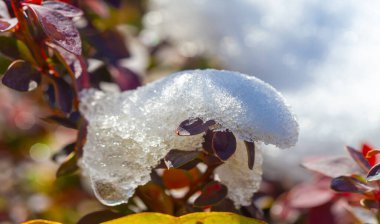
(193,218)
(8,47)
(4,64)
(24,52)
(14,49)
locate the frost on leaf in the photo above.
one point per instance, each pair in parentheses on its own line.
(58,28)
(130,132)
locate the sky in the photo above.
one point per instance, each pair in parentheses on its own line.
(322,55)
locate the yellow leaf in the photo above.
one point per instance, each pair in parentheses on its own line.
(40,221)
(193,218)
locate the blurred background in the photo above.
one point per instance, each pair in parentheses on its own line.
(322,56)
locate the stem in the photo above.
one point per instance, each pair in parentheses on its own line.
(24,33)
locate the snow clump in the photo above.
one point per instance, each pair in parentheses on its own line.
(129,132)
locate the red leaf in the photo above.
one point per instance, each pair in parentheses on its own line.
(299,196)
(65,9)
(8,24)
(38,2)
(213,193)
(58,28)
(365,149)
(155,195)
(176,178)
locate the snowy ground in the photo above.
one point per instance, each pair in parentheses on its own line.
(322,55)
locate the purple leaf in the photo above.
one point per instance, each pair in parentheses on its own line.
(110,44)
(212,194)
(227,205)
(349,184)
(374,173)
(193,126)
(21,76)
(250,146)
(332,166)
(224,144)
(359,158)
(124,78)
(65,9)
(8,24)
(207,143)
(70,60)
(115,3)
(183,159)
(63,94)
(81,137)
(58,28)
(62,121)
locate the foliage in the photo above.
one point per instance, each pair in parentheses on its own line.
(343,190)
(45,54)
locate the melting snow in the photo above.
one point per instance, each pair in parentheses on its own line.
(130,132)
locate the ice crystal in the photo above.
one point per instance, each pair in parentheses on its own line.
(130,132)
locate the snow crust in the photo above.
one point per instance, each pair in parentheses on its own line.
(130,132)
(240,180)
